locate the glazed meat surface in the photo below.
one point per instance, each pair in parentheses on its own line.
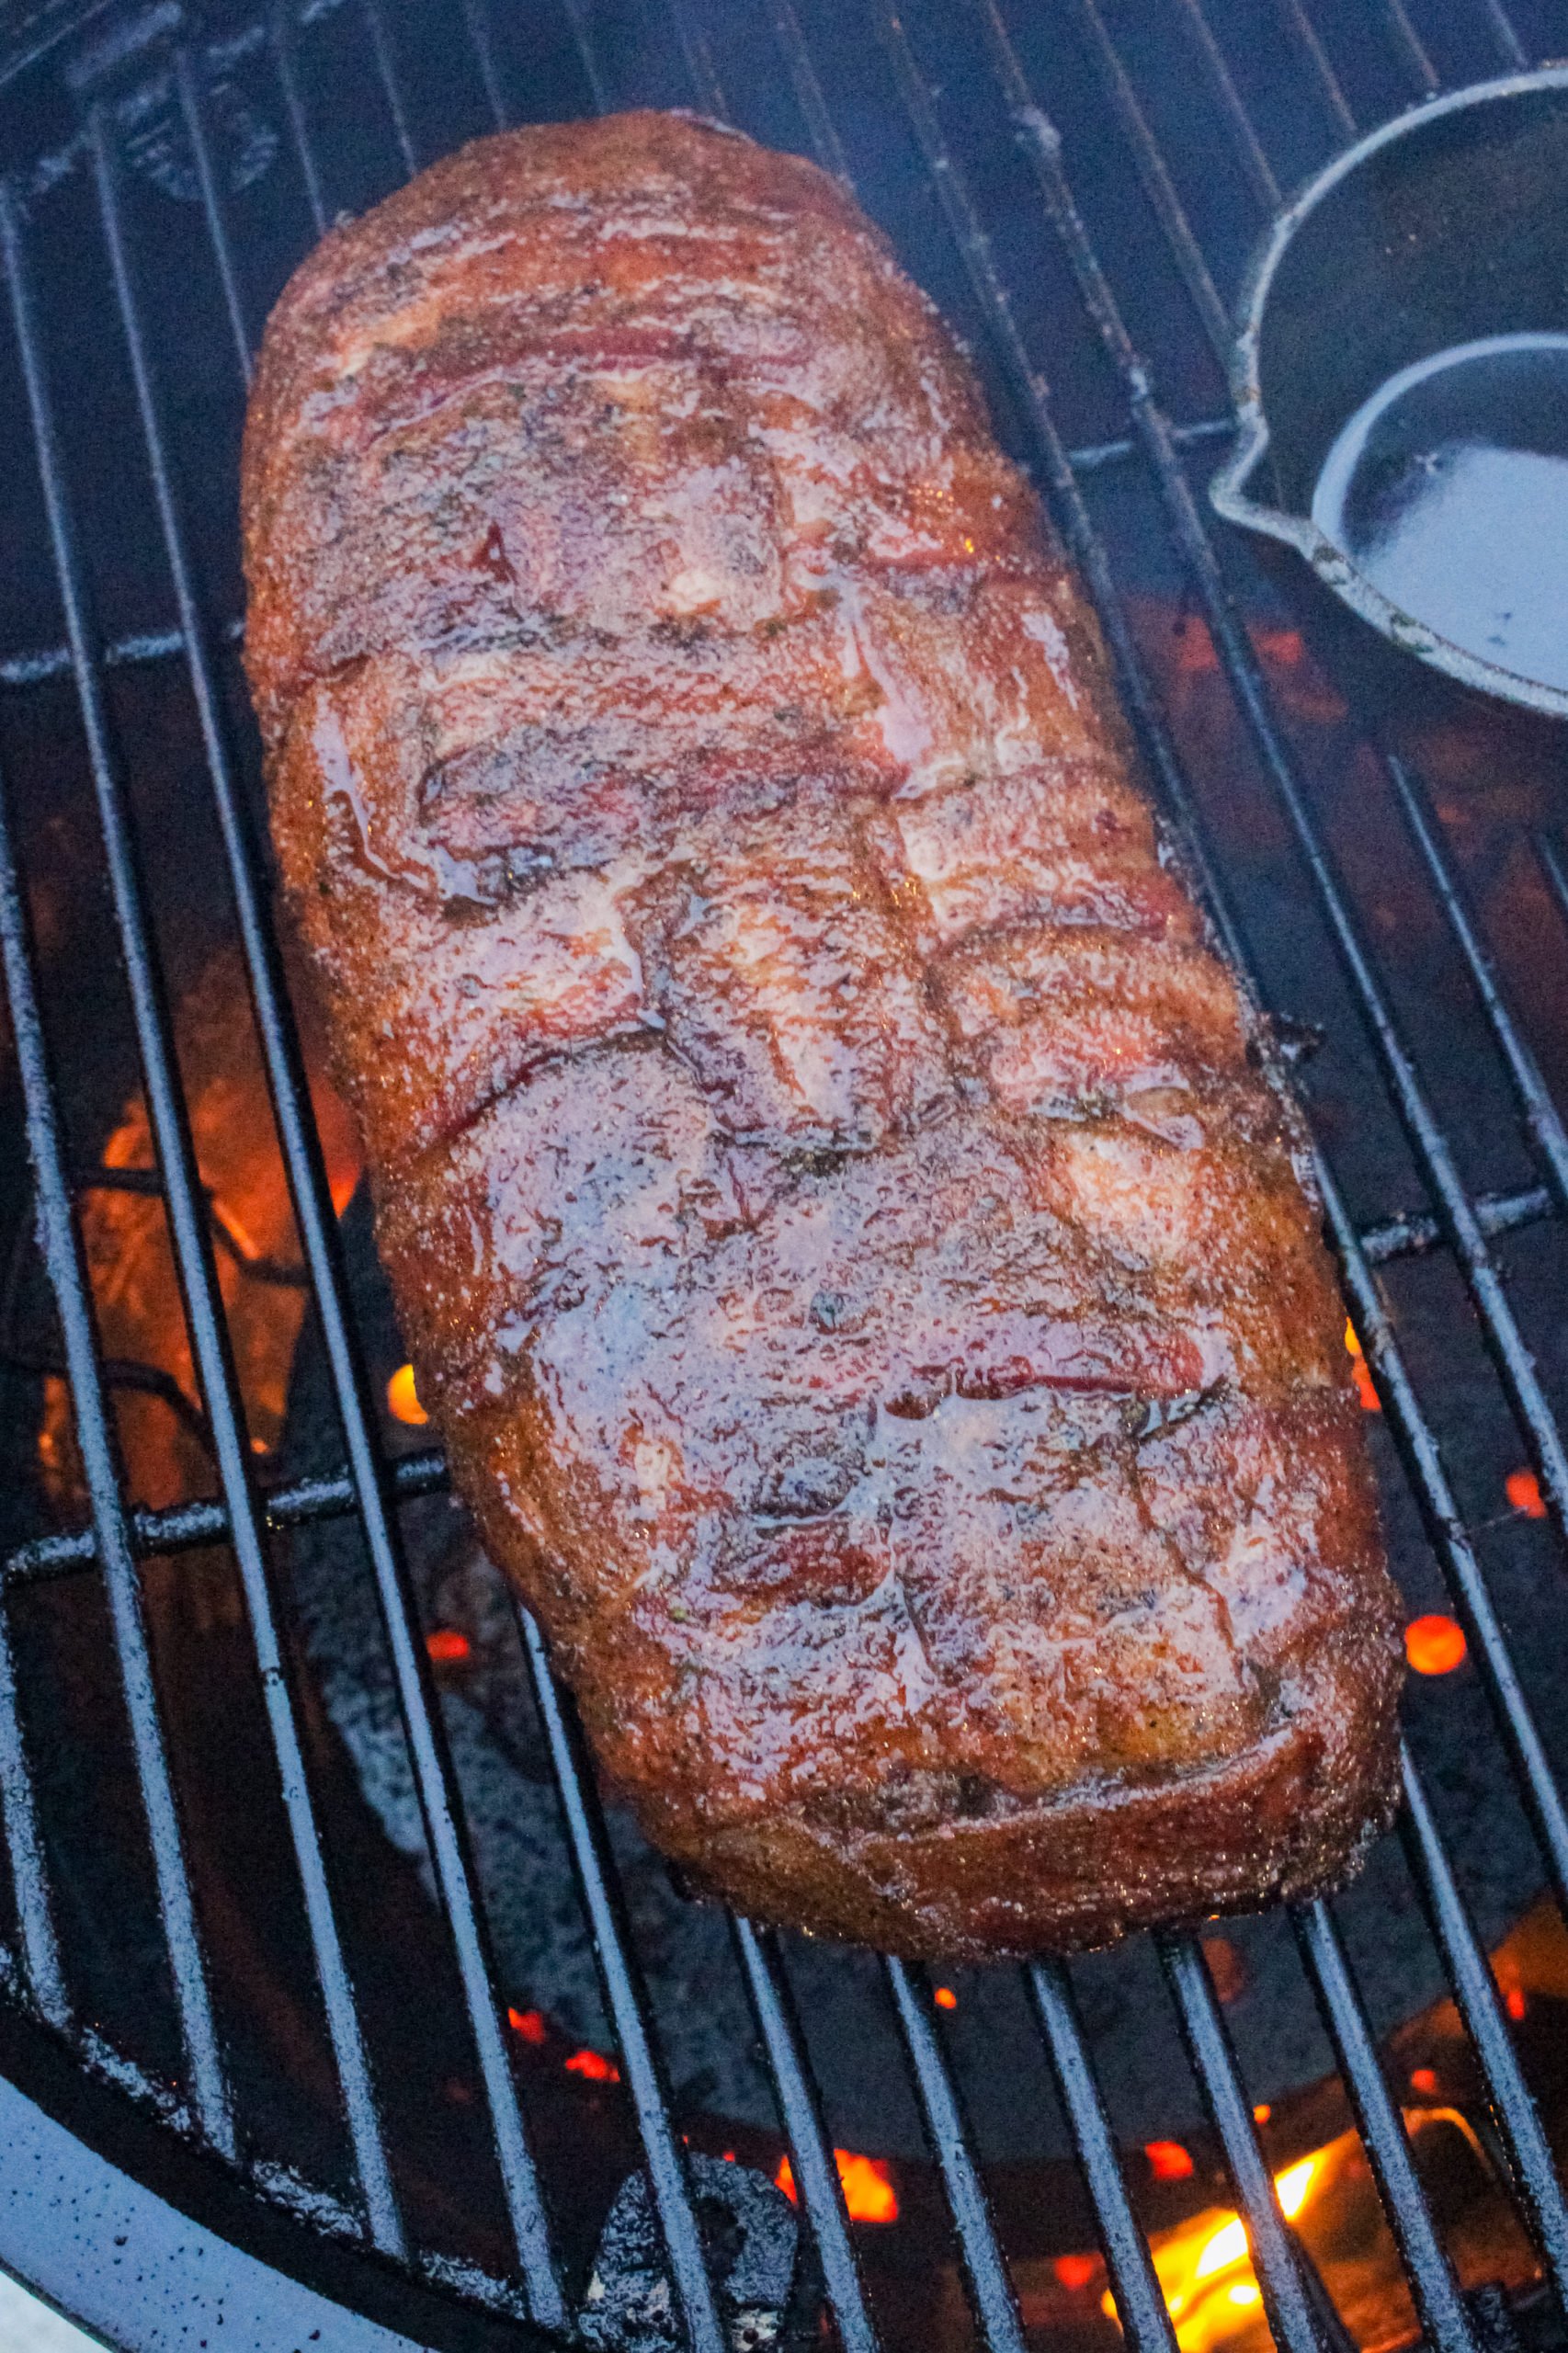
(854,1252)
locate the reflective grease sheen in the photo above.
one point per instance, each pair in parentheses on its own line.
(1449,491)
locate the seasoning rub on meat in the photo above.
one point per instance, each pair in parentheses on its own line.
(857,1257)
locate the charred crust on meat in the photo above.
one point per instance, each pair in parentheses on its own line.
(860,1240)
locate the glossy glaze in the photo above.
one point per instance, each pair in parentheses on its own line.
(840,1220)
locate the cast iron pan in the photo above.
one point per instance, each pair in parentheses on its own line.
(1401,376)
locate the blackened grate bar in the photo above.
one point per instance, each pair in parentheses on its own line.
(1513,2108)
(779,2031)
(626,1996)
(1286,2297)
(205,1309)
(1431,2281)
(1133,2281)
(1541,1114)
(1433,1155)
(991,2290)
(67,1272)
(41,1970)
(186,1527)
(441,1804)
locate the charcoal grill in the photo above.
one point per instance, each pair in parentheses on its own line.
(1078,184)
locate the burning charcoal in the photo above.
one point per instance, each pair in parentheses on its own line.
(753,2244)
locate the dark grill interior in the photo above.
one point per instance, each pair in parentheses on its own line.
(186,1817)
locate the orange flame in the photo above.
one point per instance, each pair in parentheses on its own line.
(402,1398)
(1204,2267)
(1366,1389)
(867,2184)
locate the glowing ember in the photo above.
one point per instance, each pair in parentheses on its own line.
(1425,2080)
(1523,1491)
(1226,1967)
(945,1997)
(1262,2112)
(595,2066)
(446,1645)
(1075,2271)
(1514,2003)
(402,1398)
(867,2184)
(1168,2161)
(1366,1388)
(529,2024)
(1435,1644)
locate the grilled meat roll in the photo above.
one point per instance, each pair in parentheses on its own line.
(852,1246)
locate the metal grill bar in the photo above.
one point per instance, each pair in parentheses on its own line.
(386,74)
(205,1305)
(816,2176)
(282,34)
(699,59)
(991,2290)
(587,57)
(187,1527)
(1306,34)
(1134,2284)
(1513,2108)
(484,48)
(209,2087)
(1415,1231)
(1541,1117)
(1443,2315)
(625,1993)
(1509,1352)
(1413,47)
(41,1970)
(1208,2051)
(808,91)
(194,116)
(439,1799)
(1158,185)
(1416,1442)
(54,661)
(1259,168)
(1286,2299)
(1450,1542)
(1509,46)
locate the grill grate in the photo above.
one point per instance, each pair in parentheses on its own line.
(692,47)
